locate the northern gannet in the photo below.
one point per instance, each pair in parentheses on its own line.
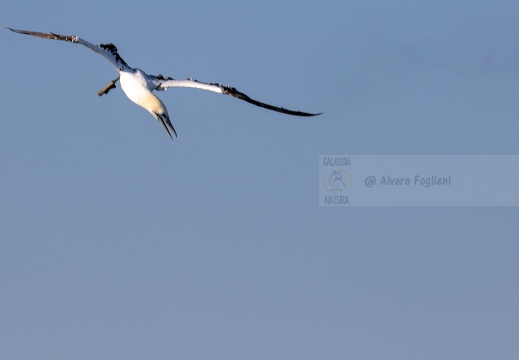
(138,86)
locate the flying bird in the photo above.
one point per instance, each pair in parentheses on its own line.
(139,86)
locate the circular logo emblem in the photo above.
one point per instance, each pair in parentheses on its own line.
(336,181)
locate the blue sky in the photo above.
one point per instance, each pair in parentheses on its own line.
(118,243)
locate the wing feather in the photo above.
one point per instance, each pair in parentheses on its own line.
(108,51)
(164,83)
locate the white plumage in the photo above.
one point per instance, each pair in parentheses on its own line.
(139,86)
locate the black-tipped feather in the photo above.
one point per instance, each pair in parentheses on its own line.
(239,95)
(164,83)
(160,82)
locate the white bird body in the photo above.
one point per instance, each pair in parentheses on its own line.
(139,86)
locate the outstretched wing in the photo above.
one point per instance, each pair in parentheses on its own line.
(108,51)
(164,83)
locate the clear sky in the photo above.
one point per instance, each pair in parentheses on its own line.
(118,243)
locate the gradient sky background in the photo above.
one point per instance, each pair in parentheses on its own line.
(118,243)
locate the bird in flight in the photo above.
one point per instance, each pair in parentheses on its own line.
(138,86)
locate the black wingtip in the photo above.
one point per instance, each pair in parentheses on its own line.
(17,31)
(228,90)
(300,113)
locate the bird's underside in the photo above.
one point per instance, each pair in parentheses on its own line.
(151,82)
